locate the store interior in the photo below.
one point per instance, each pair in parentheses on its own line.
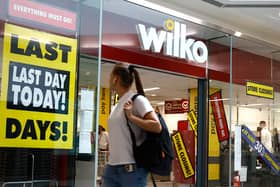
(162,86)
(165,86)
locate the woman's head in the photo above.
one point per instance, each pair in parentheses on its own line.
(122,78)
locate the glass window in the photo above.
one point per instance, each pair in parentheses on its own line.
(42,79)
(255,111)
(219,121)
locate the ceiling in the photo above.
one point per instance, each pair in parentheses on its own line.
(244,3)
(261,23)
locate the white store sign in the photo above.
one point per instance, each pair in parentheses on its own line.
(174,41)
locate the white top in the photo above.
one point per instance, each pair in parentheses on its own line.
(103,140)
(120,144)
(266,138)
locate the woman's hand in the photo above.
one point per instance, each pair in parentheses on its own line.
(149,122)
(128,108)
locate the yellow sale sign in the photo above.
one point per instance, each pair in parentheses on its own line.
(38,89)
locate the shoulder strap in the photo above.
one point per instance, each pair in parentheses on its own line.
(132,135)
(135,96)
(153,179)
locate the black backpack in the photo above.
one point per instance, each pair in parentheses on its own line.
(156,152)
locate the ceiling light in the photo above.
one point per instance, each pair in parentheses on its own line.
(214,100)
(252,105)
(152,95)
(160,103)
(151,89)
(165,10)
(244,3)
(238,34)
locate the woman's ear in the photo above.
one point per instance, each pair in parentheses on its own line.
(114,81)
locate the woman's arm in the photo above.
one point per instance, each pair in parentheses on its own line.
(149,123)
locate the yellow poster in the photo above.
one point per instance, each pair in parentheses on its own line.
(259,90)
(193,121)
(104,108)
(214,145)
(38,89)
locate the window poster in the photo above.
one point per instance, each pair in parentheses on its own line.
(38,89)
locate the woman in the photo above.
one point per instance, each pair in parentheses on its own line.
(121,170)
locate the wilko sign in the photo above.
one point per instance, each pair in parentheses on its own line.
(41,13)
(174,41)
(176,106)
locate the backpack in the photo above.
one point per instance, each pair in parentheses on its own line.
(156,152)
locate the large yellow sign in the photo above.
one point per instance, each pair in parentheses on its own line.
(183,157)
(104,108)
(38,89)
(214,144)
(259,90)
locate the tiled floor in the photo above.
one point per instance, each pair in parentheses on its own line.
(161,184)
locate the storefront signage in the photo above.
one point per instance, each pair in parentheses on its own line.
(261,150)
(42,13)
(176,106)
(173,40)
(219,116)
(184,160)
(193,121)
(104,108)
(38,89)
(259,90)
(213,144)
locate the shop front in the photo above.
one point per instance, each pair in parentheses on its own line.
(212,89)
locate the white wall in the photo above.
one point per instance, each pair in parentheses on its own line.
(172,120)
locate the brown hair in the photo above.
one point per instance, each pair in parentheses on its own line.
(126,79)
(138,82)
(263,122)
(127,75)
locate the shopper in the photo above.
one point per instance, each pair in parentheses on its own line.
(275,140)
(121,170)
(266,136)
(103,147)
(103,139)
(259,161)
(258,136)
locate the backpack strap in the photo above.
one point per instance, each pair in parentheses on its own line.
(135,96)
(132,135)
(153,179)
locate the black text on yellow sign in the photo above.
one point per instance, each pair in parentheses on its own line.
(193,121)
(183,156)
(38,89)
(259,90)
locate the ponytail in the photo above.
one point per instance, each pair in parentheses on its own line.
(138,82)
